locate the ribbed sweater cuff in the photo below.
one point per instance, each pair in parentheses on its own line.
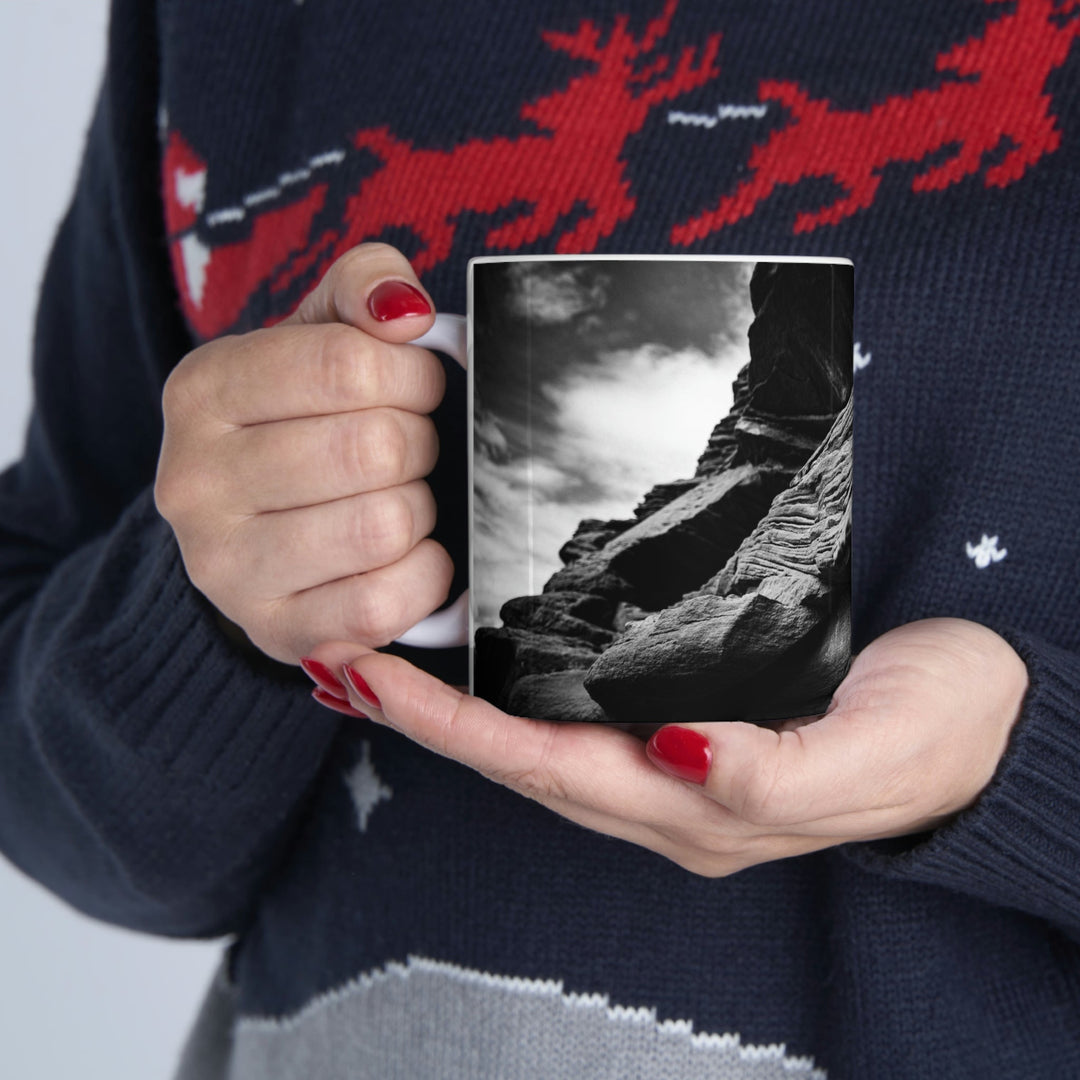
(167,682)
(1018,846)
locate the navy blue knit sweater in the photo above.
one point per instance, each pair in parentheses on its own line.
(395,914)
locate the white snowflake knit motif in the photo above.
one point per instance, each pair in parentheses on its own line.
(986,551)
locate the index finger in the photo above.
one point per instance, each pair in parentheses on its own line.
(293,371)
(592,767)
(372,287)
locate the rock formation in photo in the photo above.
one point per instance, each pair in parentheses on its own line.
(727,594)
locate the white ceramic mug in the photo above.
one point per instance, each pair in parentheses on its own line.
(644,432)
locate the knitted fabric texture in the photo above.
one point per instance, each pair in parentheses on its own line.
(174,783)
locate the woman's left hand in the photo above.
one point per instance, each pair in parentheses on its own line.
(913,735)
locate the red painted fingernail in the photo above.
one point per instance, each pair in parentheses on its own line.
(322,676)
(681,752)
(363,691)
(396,299)
(331,702)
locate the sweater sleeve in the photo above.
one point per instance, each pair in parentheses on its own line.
(151,773)
(1018,845)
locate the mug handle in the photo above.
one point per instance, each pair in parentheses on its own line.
(450,626)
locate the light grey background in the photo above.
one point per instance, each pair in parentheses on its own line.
(77,998)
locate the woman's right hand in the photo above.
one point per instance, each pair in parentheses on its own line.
(292,465)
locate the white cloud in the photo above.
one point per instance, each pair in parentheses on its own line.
(641,417)
(637,418)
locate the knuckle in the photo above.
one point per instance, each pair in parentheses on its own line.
(423,509)
(439,571)
(335,282)
(180,491)
(348,263)
(348,276)
(188,488)
(427,443)
(375,612)
(174,392)
(186,481)
(378,249)
(210,570)
(365,452)
(384,528)
(345,368)
(427,382)
(372,254)
(190,388)
(168,493)
(383,448)
(181,384)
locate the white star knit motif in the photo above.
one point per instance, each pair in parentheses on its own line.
(366,787)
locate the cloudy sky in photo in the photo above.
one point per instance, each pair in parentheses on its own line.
(593,381)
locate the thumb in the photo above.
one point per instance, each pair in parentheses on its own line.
(373,288)
(765,776)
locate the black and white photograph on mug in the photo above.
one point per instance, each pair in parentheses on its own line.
(662,486)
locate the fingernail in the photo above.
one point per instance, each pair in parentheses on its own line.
(681,752)
(360,687)
(396,299)
(331,702)
(322,676)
